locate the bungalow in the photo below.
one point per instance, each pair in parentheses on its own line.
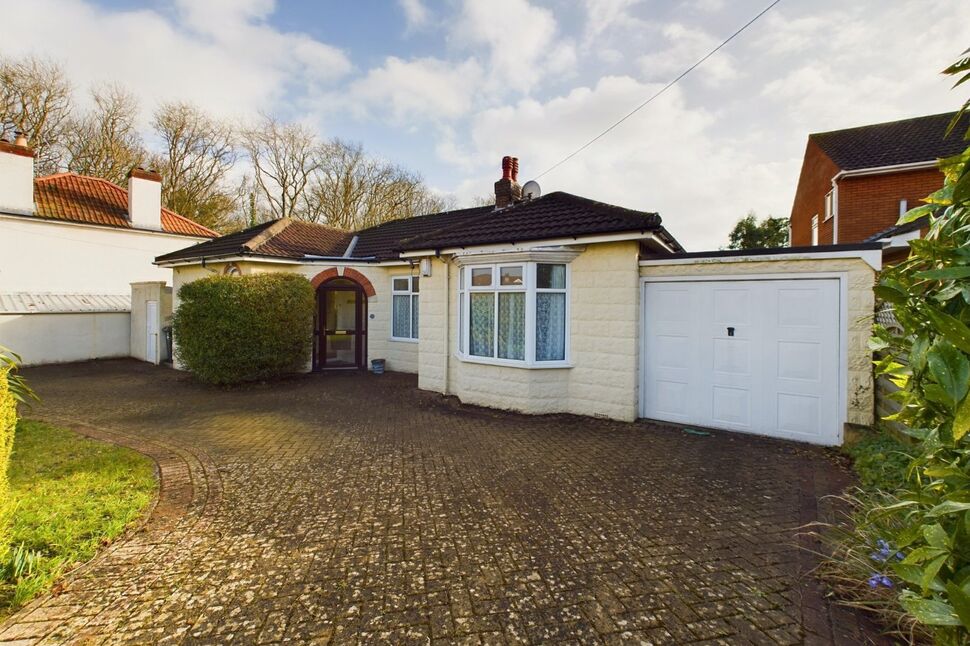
(561,304)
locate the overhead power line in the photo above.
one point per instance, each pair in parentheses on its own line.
(659,92)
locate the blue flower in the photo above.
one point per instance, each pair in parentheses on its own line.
(885,551)
(877,580)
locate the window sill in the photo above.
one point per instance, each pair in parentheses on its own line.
(399,339)
(510,363)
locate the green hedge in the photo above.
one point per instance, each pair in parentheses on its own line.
(233,329)
(8,424)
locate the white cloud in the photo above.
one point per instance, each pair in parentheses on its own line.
(415,13)
(222,56)
(682,48)
(416,90)
(520,37)
(668,159)
(603,15)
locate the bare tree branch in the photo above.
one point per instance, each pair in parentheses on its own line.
(105,142)
(36,99)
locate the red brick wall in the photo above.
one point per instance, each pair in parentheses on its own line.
(813,183)
(869,204)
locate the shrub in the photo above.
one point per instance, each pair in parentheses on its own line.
(233,329)
(916,544)
(880,460)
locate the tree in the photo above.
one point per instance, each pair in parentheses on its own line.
(748,233)
(285,157)
(105,142)
(197,158)
(35,99)
(353,191)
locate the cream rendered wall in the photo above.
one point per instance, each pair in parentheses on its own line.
(60,338)
(57,257)
(604,323)
(861,303)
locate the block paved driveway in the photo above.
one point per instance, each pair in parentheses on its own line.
(349,508)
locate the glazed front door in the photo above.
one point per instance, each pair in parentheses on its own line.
(340,325)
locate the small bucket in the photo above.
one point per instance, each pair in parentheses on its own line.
(377,366)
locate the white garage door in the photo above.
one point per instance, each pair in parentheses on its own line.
(760,356)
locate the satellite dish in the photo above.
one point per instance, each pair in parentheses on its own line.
(531,190)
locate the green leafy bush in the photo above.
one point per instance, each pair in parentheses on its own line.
(233,329)
(916,543)
(8,424)
(880,460)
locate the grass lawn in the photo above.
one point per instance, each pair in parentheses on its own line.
(72,496)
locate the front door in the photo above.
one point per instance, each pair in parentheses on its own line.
(341,333)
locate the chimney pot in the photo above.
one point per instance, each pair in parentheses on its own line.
(21,139)
(506,167)
(515,169)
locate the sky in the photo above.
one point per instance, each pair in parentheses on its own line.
(446,88)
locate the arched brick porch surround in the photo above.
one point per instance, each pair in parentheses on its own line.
(349,273)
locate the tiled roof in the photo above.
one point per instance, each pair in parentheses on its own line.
(283,238)
(92,200)
(553,216)
(891,144)
(383,240)
(45,303)
(556,215)
(899,229)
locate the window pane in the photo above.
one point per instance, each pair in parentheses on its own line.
(550,326)
(482,324)
(482,277)
(400,284)
(510,276)
(402,317)
(414,317)
(511,325)
(414,284)
(551,276)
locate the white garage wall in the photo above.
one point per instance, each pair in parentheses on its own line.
(43,256)
(60,338)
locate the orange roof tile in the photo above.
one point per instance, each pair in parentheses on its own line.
(92,200)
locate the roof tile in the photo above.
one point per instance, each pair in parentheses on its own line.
(908,141)
(92,200)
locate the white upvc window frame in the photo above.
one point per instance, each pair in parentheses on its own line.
(815,230)
(412,297)
(829,205)
(530,289)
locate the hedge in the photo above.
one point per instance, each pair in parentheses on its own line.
(8,424)
(233,329)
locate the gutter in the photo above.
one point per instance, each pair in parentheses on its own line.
(864,172)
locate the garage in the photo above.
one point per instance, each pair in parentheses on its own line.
(769,341)
(758,356)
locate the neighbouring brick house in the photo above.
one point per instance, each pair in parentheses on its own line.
(562,304)
(855,183)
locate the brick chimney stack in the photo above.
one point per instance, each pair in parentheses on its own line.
(507,190)
(16,176)
(145,199)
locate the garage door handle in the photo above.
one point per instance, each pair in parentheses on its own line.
(730,331)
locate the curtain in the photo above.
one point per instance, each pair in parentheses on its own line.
(511,325)
(402,317)
(414,317)
(482,324)
(550,326)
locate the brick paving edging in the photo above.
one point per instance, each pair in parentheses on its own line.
(188,488)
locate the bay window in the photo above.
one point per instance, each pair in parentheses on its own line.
(513,313)
(404,308)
